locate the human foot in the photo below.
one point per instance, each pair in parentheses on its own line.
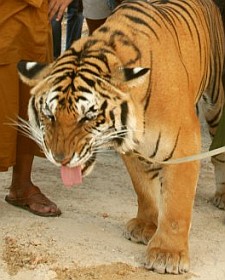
(34,201)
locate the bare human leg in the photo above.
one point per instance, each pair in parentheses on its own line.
(23,193)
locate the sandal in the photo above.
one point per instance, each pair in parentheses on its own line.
(36,197)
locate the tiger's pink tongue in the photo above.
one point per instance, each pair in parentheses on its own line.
(71,175)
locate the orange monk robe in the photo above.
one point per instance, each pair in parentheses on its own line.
(25,34)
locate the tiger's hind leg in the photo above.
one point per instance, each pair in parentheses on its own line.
(213,115)
(219,197)
(141,228)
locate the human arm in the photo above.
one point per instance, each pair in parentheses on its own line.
(57,7)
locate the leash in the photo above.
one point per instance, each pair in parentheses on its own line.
(184,159)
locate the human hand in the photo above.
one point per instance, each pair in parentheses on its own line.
(57,7)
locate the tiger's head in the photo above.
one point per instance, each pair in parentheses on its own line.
(81,103)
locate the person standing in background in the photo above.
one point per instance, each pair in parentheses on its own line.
(74,23)
(25,35)
(97,11)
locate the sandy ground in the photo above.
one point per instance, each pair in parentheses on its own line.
(86,242)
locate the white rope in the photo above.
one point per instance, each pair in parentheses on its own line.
(186,159)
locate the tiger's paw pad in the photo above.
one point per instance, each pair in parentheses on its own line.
(138,231)
(219,200)
(163,261)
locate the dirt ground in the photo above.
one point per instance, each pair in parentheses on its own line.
(86,242)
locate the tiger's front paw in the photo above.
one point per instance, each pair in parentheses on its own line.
(219,200)
(139,231)
(167,261)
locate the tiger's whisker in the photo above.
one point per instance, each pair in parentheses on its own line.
(27,130)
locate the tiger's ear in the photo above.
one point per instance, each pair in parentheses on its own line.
(32,72)
(131,77)
(135,73)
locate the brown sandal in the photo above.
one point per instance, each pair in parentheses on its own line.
(35,197)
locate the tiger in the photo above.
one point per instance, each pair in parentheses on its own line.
(133,86)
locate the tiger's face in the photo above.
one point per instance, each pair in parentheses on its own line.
(73,130)
(73,118)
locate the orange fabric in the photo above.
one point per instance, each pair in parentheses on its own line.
(24,31)
(9,108)
(25,34)
(35,3)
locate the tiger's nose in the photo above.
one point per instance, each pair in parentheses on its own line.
(61,158)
